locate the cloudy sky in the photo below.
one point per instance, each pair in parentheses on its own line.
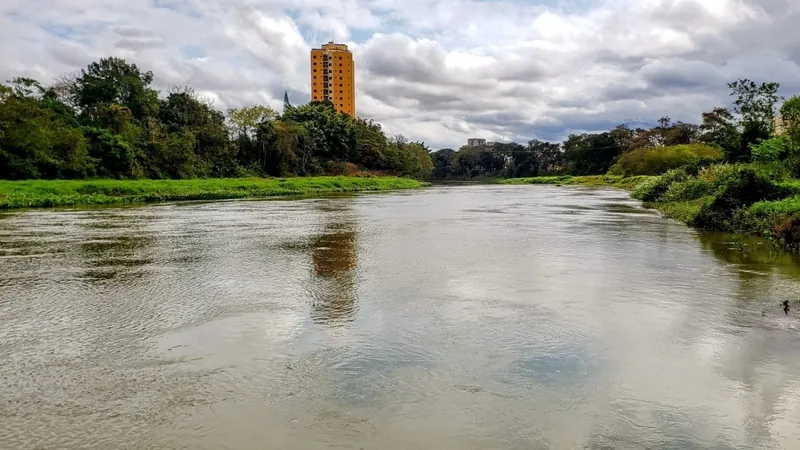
(439,71)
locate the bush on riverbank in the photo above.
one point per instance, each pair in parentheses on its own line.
(657,160)
(744,198)
(50,193)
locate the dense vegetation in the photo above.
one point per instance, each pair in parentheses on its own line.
(107,122)
(738,171)
(741,135)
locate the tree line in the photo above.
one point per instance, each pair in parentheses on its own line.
(107,121)
(752,130)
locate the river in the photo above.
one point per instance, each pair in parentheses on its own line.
(460,317)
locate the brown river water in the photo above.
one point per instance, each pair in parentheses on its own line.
(461,317)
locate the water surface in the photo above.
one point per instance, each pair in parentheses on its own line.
(469,317)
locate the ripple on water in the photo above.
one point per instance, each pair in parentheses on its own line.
(464,317)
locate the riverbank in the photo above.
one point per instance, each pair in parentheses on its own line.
(53,193)
(743,199)
(627,183)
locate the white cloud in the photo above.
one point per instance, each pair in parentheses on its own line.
(440,71)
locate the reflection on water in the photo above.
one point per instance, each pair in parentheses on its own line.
(335,261)
(456,317)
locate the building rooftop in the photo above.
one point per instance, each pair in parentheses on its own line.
(333,46)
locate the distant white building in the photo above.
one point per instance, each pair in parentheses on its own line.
(780,125)
(476,142)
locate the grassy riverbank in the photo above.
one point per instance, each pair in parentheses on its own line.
(621,182)
(738,198)
(51,193)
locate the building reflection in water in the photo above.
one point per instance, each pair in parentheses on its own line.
(335,261)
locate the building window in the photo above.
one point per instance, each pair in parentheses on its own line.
(315,70)
(340,71)
(315,63)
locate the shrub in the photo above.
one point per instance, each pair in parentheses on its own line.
(616,169)
(652,189)
(682,211)
(778,219)
(655,161)
(691,189)
(741,188)
(771,150)
(631,183)
(712,173)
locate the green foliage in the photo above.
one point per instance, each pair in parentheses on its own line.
(790,115)
(684,211)
(687,190)
(652,189)
(655,161)
(108,122)
(47,193)
(38,142)
(720,130)
(776,219)
(755,103)
(628,183)
(771,150)
(469,162)
(112,81)
(591,154)
(726,134)
(739,189)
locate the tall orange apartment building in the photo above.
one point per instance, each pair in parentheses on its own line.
(333,77)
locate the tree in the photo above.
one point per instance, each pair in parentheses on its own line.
(681,133)
(755,106)
(114,81)
(35,141)
(548,157)
(184,112)
(525,163)
(442,163)
(245,120)
(371,144)
(790,116)
(755,103)
(339,129)
(623,136)
(719,129)
(286,104)
(277,141)
(591,154)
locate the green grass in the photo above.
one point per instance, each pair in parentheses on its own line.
(685,211)
(772,218)
(52,193)
(786,206)
(627,183)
